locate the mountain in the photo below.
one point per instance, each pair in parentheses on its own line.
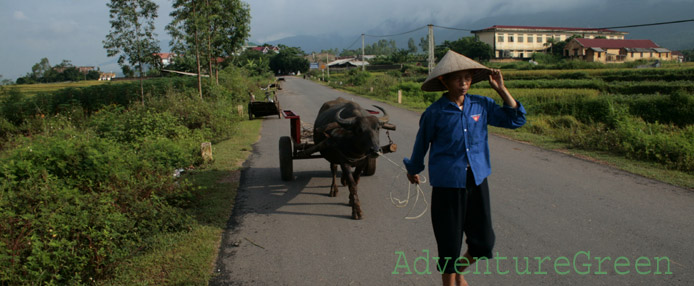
(610,14)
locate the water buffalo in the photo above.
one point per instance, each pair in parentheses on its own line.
(348,136)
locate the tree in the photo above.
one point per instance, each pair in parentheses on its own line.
(550,44)
(228,27)
(289,59)
(400,56)
(127,71)
(5,81)
(253,61)
(185,31)
(468,46)
(132,34)
(39,69)
(411,47)
(92,75)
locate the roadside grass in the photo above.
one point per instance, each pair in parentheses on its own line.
(649,170)
(646,169)
(188,258)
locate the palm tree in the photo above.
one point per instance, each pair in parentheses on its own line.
(550,44)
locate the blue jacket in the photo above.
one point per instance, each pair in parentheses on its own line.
(458,138)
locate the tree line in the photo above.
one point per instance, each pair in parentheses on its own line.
(43,72)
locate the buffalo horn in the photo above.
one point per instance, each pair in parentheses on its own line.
(345,123)
(385,117)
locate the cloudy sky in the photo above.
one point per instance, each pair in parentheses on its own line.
(74,29)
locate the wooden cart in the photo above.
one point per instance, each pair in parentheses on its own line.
(300,145)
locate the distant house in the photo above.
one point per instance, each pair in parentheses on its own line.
(85,70)
(677,56)
(166,58)
(610,51)
(106,76)
(520,42)
(347,63)
(266,49)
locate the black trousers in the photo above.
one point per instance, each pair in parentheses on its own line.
(455,212)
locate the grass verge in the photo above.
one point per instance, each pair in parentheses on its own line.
(187,258)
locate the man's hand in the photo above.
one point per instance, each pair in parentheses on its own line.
(496,80)
(414,179)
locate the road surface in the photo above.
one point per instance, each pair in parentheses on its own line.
(559,220)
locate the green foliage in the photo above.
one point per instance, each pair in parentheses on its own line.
(132,36)
(357,77)
(92,185)
(289,60)
(76,204)
(207,30)
(467,46)
(255,62)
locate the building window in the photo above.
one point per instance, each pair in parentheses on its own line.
(599,54)
(539,39)
(520,38)
(501,39)
(641,54)
(510,38)
(530,38)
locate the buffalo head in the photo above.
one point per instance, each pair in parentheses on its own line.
(365,129)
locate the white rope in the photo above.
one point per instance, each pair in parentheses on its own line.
(403,203)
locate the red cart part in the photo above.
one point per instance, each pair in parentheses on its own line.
(294,124)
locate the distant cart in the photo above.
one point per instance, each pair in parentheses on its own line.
(300,145)
(270,106)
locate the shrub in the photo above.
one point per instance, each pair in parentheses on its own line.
(357,77)
(92,185)
(76,204)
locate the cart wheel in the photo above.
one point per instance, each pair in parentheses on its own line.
(370,167)
(286,164)
(250,111)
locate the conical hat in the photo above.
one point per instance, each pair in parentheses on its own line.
(453,62)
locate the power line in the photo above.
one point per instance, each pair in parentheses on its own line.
(355,41)
(394,35)
(652,24)
(449,28)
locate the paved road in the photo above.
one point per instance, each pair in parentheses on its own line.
(545,206)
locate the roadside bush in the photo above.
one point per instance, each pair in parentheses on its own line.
(357,77)
(677,108)
(76,204)
(91,182)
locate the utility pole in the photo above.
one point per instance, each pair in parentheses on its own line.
(327,60)
(431,48)
(363,59)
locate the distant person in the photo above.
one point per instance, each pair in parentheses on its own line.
(454,131)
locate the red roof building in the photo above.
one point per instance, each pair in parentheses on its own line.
(520,42)
(266,49)
(166,58)
(605,50)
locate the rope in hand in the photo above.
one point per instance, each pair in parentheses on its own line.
(403,203)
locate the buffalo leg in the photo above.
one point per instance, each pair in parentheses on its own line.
(333,186)
(353,197)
